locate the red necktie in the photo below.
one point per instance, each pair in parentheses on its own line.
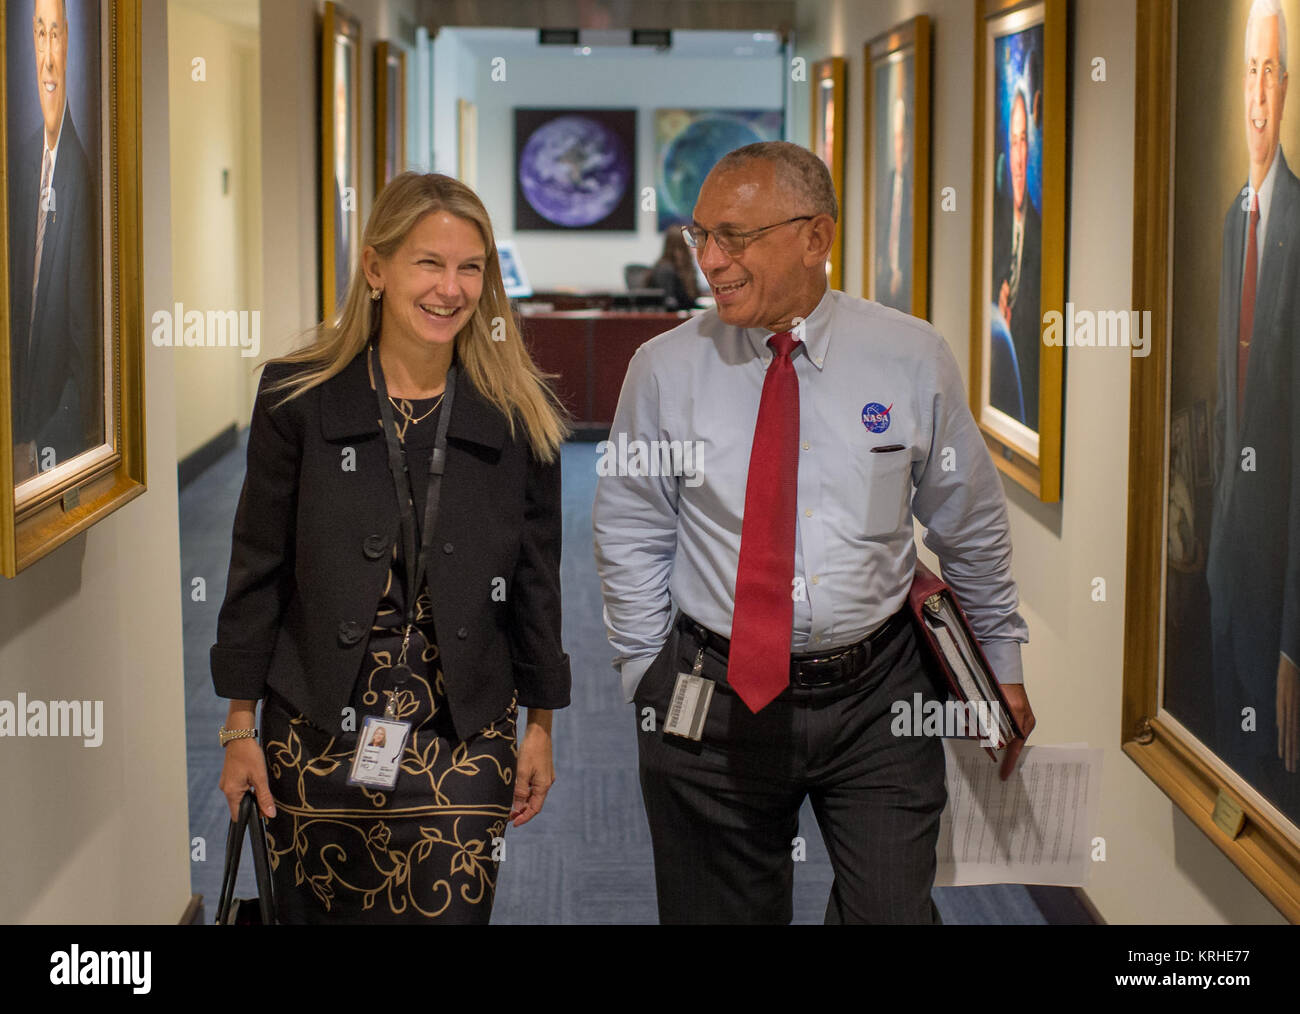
(758,667)
(1246,322)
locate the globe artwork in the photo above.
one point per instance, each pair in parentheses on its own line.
(690,144)
(574,171)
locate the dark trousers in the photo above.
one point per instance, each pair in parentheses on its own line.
(724,812)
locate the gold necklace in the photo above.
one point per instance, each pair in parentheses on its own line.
(407,415)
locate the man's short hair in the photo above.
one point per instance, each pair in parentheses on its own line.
(799,171)
(1267,9)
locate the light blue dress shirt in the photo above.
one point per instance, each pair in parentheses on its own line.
(673,540)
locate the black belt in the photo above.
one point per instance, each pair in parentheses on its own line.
(814,669)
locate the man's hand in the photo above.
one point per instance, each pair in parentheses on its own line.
(1004,303)
(1288,713)
(1018,701)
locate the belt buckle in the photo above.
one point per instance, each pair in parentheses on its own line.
(797,678)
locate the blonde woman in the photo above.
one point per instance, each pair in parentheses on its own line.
(379,583)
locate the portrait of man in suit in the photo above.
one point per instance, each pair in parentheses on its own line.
(54,265)
(893,187)
(1253,567)
(1017,255)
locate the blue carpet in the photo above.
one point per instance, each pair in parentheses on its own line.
(587,857)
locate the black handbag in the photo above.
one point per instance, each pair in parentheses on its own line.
(247,911)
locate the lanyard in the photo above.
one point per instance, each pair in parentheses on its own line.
(415,561)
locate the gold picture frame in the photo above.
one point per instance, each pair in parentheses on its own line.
(390,112)
(340,149)
(1253,833)
(47,508)
(828,111)
(1016,377)
(896,107)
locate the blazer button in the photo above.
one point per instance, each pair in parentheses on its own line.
(462,633)
(350,633)
(446,548)
(374,546)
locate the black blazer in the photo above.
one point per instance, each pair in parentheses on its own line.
(55,387)
(1253,570)
(312,545)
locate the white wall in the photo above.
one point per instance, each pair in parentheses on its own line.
(455,70)
(216,242)
(1160,868)
(100,835)
(590,259)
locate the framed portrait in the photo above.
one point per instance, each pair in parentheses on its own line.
(689,142)
(1018,255)
(1212,621)
(71,345)
(340,149)
(575,169)
(828,109)
(390,112)
(896,108)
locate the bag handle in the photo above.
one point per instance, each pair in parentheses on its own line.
(261,862)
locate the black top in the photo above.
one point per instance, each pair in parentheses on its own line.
(311,554)
(417,444)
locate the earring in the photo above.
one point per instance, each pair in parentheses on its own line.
(375,294)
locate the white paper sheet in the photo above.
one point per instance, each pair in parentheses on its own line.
(1034,828)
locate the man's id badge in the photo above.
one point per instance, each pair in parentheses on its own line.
(379,752)
(690,705)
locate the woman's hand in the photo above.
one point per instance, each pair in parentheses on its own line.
(535,772)
(245,765)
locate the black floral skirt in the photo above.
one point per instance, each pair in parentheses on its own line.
(424,851)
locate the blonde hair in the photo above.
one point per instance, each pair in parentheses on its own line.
(501,370)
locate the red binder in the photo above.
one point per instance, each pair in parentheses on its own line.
(950,647)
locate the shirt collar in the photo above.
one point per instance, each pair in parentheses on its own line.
(1266,187)
(816,334)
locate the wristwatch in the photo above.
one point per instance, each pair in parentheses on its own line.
(229,735)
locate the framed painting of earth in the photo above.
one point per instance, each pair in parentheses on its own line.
(689,142)
(575,169)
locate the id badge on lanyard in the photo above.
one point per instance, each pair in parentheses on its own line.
(381,741)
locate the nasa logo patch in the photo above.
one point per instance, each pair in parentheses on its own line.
(875,416)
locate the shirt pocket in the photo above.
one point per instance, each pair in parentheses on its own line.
(888,491)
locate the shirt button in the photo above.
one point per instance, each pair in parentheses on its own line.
(374,546)
(807,514)
(817,580)
(446,548)
(350,633)
(462,633)
(805,445)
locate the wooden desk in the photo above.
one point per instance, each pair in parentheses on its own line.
(590,350)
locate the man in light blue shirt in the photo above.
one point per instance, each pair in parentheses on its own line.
(884,433)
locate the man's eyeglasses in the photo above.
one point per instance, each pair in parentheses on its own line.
(729,241)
